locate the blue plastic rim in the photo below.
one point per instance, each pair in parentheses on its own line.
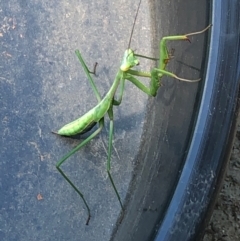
(193,198)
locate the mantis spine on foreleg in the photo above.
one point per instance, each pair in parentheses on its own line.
(105,105)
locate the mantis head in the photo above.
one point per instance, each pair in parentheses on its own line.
(129,60)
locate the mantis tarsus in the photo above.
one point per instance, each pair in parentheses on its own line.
(105,105)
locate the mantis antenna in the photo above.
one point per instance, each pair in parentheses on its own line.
(135,19)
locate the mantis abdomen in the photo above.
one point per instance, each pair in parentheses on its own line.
(88,120)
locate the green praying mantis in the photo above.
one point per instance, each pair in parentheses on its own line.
(105,105)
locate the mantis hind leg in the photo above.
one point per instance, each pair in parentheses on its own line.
(110,113)
(60,162)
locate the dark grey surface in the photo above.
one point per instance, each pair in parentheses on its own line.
(44,87)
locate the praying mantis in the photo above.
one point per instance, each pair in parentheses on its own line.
(105,105)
